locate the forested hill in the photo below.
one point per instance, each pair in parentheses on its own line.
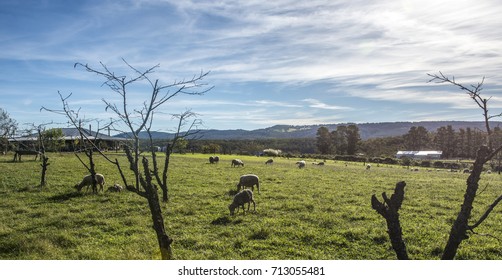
(366,130)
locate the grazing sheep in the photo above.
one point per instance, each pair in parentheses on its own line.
(115,188)
(241,198)
(301,164)
(87,181)
(211,159)
(467,171)
(320,163)
(368,166)
(237,162)
(270,161)
(216,159)
(248,180)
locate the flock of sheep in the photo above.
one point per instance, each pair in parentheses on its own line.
(245,186)
(243,196)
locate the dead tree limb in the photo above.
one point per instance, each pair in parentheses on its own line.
(389,209)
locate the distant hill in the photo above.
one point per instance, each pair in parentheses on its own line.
(366,130)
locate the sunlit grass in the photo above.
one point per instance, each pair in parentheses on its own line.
(320,212)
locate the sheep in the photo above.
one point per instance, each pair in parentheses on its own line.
(214,159)
(241,198)
(318,163)
(301,164)
(368,166)
(237,162)
(87,181)
(248,180)
(270,161)
(115,188)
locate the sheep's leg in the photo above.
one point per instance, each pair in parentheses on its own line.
(243,209)
(254,206)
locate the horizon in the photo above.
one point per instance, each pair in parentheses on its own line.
(271,63)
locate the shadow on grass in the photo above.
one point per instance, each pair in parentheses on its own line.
(221,221)
(64,197)
(225,220)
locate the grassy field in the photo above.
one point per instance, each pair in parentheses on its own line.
(320,212)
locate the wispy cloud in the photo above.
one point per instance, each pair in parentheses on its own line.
(314,103)
(368,52)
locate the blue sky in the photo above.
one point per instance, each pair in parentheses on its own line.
(270,62)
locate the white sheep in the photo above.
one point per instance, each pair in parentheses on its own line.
(115,188)
(214,159)
(237,162)
(301,164)
(241,198)
(248,180)
(368,166)
(87,181)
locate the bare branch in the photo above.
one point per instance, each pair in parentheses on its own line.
(487,212)
(475,93)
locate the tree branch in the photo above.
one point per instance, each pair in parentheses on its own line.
(485,215)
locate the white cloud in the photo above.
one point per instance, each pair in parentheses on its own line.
(314,103)
(375,51)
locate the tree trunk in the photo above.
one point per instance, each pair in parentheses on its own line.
(156,211)
(459,229)
(389,210)
(165,190)
(44,166)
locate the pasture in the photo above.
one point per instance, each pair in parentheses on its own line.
(319,212)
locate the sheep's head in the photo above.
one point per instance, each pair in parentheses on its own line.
(232,207)
(77,186)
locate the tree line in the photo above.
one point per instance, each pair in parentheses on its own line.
(461,143)
(346,141)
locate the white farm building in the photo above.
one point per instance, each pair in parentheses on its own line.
(420,154)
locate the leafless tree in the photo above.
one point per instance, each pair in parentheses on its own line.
(87,142)
(140,119)
(187,120)
(463,224)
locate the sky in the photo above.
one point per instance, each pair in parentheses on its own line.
(269,62)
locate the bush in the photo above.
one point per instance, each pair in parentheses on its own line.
(438,164)
(350,158)
(425,163)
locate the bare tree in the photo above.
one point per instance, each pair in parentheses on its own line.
(8,128)
(462,225)
(183,120)
(87,143)
(38,148)
(140,119)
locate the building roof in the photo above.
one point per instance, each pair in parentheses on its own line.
(420,153)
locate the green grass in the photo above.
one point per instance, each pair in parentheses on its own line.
(320,213)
